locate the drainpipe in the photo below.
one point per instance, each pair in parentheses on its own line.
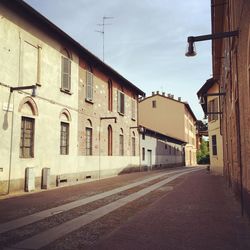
(11,141)
(239,152)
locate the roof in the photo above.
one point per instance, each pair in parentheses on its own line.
(26,11)
(171,99)
(206,86)
(203,90)
(169,138)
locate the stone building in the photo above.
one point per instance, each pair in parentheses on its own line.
(231,69)
(81,123)
(231,66)
(172,118)
(210,102)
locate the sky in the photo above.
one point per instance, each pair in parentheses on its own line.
(145,40)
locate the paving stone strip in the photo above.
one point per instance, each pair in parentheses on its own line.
(27,231)
(47,237)
(26,220)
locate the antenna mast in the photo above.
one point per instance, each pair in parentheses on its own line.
(103,24)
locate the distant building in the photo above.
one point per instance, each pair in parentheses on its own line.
(159,151)
(210,102)
(82,122)
(172,118)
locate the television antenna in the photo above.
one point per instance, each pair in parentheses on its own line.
(103,24)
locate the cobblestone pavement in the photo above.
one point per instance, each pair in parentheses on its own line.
(200,213)
(18,207)
(193,211)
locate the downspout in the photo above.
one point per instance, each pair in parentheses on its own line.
(139,135)
(13,112)
(239,153)
(99,139)
(11,143)
(239,141)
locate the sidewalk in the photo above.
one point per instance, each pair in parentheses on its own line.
(200,213)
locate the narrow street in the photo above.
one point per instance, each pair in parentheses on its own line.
(148,210)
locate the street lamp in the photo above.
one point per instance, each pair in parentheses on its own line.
(192,39)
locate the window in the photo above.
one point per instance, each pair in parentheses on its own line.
(27,137)
(66,74)
(214,145)
(88,141)
(121,143)
(154,104)
(143,154)
(133,144)
(89,86)
(110,139)
(110,95)
(64,141)
(133,105)
(213,107)
(121,102)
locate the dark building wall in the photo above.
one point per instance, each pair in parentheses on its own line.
(234,79)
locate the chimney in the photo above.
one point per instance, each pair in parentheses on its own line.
(163,93)
(153,93)
(157,92)
(179,99)
(172,96)
(169,95)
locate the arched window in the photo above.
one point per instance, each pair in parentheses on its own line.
(28,109)
(133,143)
(121,143)
(110,140)
(66,70)
(65,119)
(89,137)
(110,95)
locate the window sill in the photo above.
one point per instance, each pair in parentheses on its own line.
(89,101)
(66,91)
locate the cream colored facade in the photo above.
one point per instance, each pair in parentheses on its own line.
(170,117)
(216,158)
(31,54)
(211,106)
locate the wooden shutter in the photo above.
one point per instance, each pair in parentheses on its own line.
(118,101)
(66,73)
(133,109)
(122,103)
(89,86)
